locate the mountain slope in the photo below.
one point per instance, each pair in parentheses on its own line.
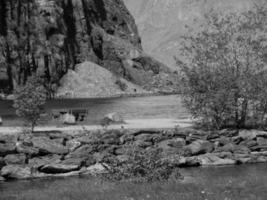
(51,37)
(161,23)
(91,80)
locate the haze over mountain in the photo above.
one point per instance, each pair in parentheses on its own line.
(161,23)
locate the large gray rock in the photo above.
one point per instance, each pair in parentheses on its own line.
(2,162)
(188,162)
(213,160)
(261,141)
(38,162)
(16,172)
(23,148)
(47,146)
(6,139)
(97,169)
(175,143)
(198,147)
(58,168)
(9,148)
(252,134)
(81,152)
(15,159)
(73,144)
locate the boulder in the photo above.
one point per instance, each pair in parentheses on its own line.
(58,168)
(38,162)
(175,143)
(22,148)
(194,135)
(223,140)
(9,148)
(80,161)
(249,143)
(97,169)
(226,148)
(2,162)
(16,172)
(1,121)
(262,147)
(144,137)
(183,132)
(68,119)
(250,134)
(114,117)
(198,147)
(2,179)
(81,152)
(142,144)
(72,145)
(7,139)
(223,154)
(239,149)
(48,146)
(228,133)
(213,160)
(261,141)
(188,162)
(15,159)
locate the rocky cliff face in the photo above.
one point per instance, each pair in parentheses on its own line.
(162,22)
(52,36)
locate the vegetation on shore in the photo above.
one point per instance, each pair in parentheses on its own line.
(224,69)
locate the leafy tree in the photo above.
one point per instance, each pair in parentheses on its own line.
(30,100)
(224,69)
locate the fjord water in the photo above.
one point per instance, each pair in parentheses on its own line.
(148,107)
(246,182)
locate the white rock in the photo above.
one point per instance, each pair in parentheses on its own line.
(114,117)
(68,119)
(97,169)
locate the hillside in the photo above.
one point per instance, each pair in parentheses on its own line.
(161,23)
(51,37)
(91,80)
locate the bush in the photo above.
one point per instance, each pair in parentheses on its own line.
(223,69)
(30,100)
(141,166)
(123,86)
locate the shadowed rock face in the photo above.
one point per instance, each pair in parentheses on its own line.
(52,36)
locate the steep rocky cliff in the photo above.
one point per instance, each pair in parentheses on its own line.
(52,36)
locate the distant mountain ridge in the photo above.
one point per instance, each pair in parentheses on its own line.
(161,23)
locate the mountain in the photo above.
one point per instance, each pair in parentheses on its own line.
(161,23)
(51,37)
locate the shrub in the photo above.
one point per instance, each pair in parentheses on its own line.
(123,86)
(141,166)
(30,100)
(223,69)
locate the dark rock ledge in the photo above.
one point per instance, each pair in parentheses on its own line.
(61,154)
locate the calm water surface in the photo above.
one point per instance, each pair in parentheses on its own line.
(247,182)
(150,107)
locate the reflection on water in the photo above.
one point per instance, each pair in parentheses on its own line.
(154,107)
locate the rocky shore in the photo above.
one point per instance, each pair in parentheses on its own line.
(54,153)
